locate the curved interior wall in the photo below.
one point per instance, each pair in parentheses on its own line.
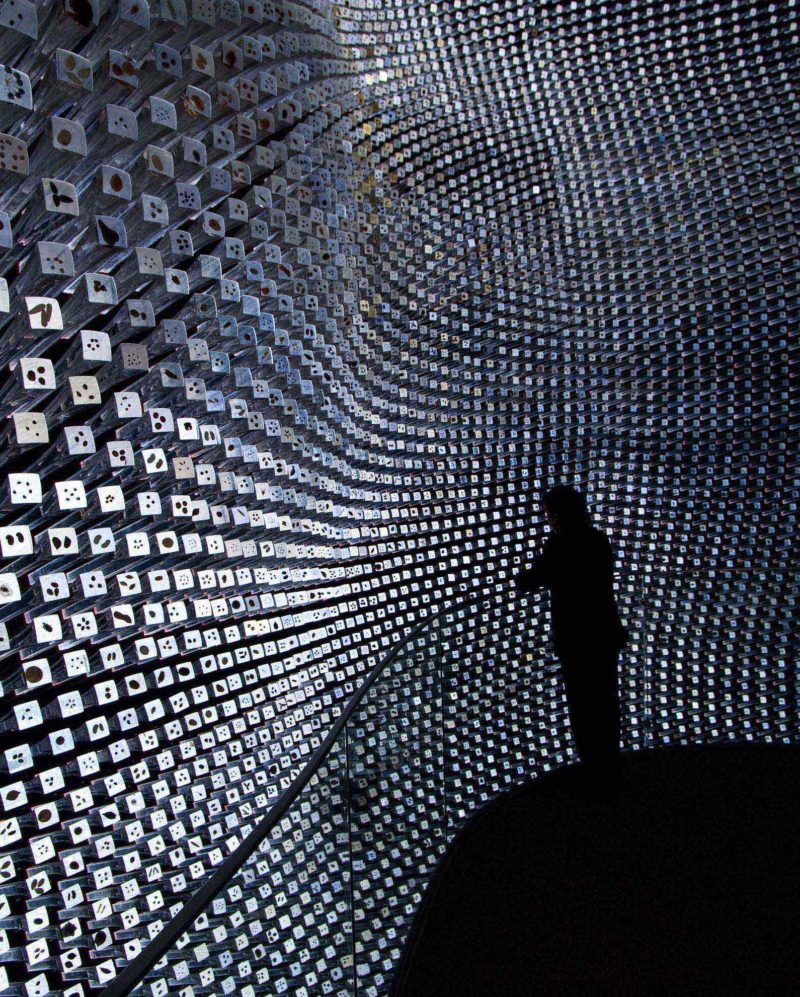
(300,307)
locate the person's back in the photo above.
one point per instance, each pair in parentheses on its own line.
(577,567)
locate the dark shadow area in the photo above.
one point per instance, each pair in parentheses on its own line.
(686,883)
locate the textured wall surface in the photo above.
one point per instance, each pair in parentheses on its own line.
(300,306)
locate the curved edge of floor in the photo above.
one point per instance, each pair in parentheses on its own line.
(552,778)
(565,781)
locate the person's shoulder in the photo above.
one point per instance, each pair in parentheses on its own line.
(550,542)
(601,542)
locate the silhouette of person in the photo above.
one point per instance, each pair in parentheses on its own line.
(576,565)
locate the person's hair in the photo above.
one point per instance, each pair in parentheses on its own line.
(568,506)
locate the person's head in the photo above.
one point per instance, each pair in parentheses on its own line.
(565,508)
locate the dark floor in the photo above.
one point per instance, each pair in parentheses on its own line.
(687,885)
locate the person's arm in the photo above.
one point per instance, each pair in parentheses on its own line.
(537,575)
